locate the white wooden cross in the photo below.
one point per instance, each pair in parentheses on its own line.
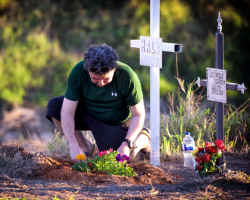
(151,55)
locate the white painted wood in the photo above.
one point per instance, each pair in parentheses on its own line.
(151,55)
(155,88)
(135,43)
(150,51)
(171,47)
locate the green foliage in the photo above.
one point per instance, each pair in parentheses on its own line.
(105,163)
(56,198)
(187,117)
(236,126)
(40,41)
(32,64)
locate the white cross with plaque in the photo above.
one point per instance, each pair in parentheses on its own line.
(151,55)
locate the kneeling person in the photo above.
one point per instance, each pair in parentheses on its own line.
(105,96)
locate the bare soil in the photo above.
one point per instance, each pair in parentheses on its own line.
(36,175)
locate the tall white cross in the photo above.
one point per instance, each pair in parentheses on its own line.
(151,55)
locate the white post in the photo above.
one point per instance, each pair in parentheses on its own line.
(151,55)
(155,88)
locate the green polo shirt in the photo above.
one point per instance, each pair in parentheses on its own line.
(109,104)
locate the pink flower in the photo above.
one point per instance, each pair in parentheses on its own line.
(105,152)
(110,150)
(90,163)
(100,154)
(95,152)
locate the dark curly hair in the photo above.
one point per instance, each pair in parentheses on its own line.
(100,59)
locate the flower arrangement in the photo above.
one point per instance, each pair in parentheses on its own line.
(108,162)
(206,157)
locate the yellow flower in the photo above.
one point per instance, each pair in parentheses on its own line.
(194,152)
(80,157)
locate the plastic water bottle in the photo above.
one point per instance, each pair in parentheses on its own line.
(188,146)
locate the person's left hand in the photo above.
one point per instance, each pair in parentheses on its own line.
(124,149)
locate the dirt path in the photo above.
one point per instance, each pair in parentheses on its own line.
(43,177)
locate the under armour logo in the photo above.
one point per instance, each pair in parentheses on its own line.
(114,94)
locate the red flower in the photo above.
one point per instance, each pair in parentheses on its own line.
(208,144)
(206,157)
(105,152)
(110,150)
(199,167)
(200,149)
(100,154)
(211,149)
(198,160)
(220,145)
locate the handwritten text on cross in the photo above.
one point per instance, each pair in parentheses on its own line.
(150,51)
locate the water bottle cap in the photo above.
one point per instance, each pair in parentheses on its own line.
(187,133)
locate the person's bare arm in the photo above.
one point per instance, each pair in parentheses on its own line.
(136,124)
(68,126)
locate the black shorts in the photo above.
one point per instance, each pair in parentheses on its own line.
(106,136)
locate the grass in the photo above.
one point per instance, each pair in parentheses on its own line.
(187,115)
(58,144)
(237,129)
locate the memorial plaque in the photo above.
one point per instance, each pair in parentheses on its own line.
(151,51)
(216,85)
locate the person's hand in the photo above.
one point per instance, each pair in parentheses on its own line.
(124,149)
(74,151)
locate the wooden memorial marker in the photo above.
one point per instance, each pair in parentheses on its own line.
(151,55)
(217,86)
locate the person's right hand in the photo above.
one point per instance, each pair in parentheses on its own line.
(74,151)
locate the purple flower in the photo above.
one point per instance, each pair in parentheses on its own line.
(125,157)
(119,158)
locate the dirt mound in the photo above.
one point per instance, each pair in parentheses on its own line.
(60,169)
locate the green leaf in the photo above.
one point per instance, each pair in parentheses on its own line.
(201,174)
(207,165)
(203,171)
